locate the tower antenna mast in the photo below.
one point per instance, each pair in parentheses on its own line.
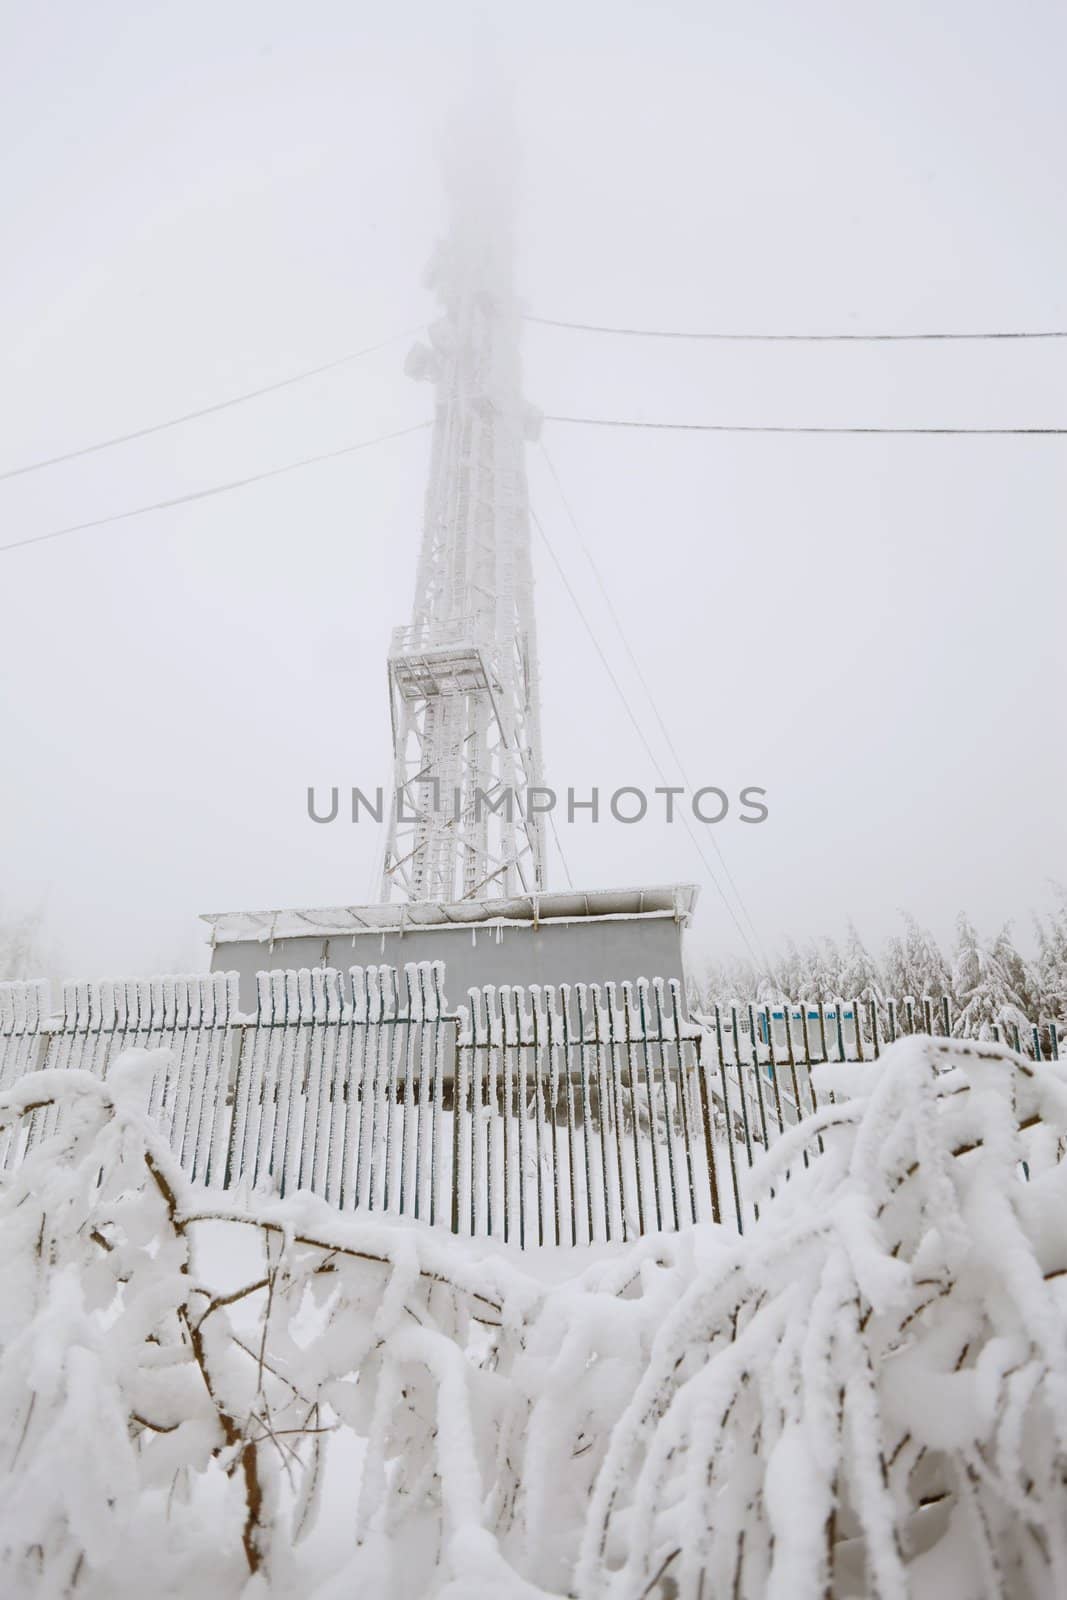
(463,675)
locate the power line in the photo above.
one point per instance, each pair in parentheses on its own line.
(559,848)
(218,488)
(754,427)
(207,411)
(793,338)
(644,333)
(634,662)
(535,519)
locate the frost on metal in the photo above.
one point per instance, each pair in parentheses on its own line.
(569,1114)
(463,675)
(866,1394)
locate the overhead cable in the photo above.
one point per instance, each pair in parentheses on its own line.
(795,338)
(641,732)
(764,427)
(634,662)
(218,488)
(206,411)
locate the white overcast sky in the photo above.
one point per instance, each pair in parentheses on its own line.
(199,198)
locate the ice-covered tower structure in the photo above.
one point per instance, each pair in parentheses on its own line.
(463,680)
(464,865)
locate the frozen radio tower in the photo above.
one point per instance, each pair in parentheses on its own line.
(465,851)
(463,679)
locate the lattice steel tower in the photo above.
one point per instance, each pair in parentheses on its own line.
(463,678)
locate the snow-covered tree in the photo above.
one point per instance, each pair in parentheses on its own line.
(818,971)
(720,982)
(915,966)
(859,978)
(790,968)
(24,951)
(985,997)
(1021,976)
(1051,964)
(866,1394)
(829,1415)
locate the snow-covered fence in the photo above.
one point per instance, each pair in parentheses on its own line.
(343,1089)
(334,1085)
(583,1113)
(859,1029)
(542,1116)
(192,1018)
(539,1116)
(764,1053)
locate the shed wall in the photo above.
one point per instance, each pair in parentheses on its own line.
(594,951)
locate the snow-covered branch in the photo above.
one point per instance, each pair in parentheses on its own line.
(231,1394)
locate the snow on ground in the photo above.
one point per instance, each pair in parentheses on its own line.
(230,1395)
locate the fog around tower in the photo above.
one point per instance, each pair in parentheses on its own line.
(869,628)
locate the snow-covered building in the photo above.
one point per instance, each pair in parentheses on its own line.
(568,936)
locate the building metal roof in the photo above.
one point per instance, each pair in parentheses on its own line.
(566,905)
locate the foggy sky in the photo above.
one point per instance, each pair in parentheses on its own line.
(198,199)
